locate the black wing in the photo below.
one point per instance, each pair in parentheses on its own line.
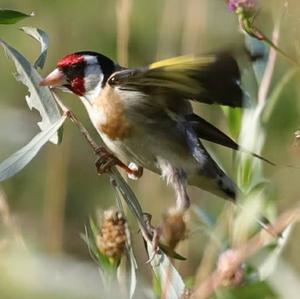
(209,79)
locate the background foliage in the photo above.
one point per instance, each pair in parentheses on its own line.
(51,199)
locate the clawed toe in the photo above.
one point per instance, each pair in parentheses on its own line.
(105,161)
(155,236)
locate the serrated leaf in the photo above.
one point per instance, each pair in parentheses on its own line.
(21,158)
(39,97)
(8,16)
(171,282)
(42,37)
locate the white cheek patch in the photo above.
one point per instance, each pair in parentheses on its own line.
(93,78)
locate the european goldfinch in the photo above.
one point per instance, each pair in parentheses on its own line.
(145,117)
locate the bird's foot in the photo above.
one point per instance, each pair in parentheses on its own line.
(155,234)
(107,160)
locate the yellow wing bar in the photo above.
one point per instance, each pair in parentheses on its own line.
(184,61)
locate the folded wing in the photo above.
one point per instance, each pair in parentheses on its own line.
(208,79)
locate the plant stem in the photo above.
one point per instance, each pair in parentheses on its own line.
(126,192)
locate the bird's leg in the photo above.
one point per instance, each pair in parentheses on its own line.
(179,183)
(177,178)
(107,160)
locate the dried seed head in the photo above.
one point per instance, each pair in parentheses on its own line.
(173,227)
(112,237)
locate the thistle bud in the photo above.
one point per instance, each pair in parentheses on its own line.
(173,227)
(232,272)
(238,6)
(112,237)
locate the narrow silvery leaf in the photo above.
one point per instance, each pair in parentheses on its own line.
(172,284)
(21,158)
(11,16)
(39,97)
(130,199)
(42,37)
(133,267)
(129,250)
(269,264)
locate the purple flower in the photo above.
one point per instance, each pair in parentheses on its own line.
(245,5)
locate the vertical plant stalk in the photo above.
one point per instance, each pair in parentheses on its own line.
(268,75)
(123,12)
(195,22)
(55,195)
(8,221)
(169,27)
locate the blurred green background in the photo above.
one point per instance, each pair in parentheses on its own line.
(52,199)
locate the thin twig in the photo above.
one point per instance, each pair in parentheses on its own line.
(268,74)
(126,192)
(208,287)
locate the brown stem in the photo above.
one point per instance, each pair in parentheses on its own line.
(243,252)
(122,186)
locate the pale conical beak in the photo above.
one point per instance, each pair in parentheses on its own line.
(54,79)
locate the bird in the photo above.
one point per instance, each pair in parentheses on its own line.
(145,117)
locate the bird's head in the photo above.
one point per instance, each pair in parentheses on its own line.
(83,73)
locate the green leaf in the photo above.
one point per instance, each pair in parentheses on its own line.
(234,118)
(21,158)
(42,37)
(275,96)
(253,290)
(40,97)
(11,16)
